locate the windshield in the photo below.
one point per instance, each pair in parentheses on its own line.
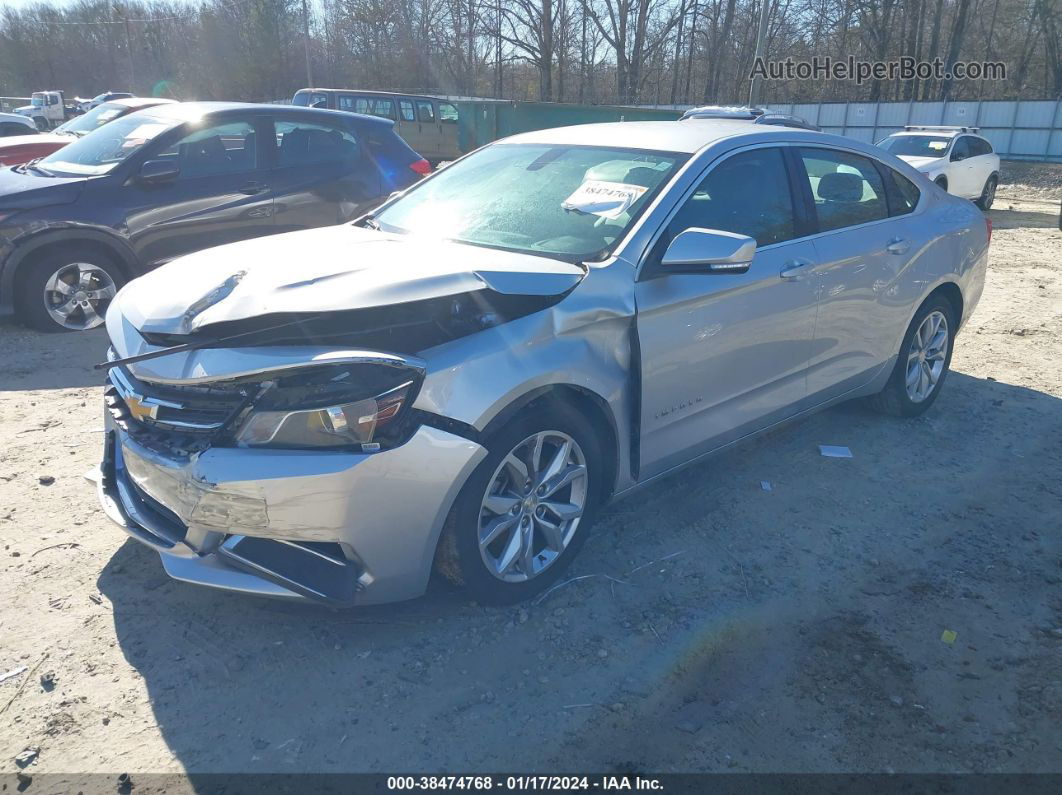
(103,149)
(916,145)
(97,117)
(571,202)
(37,101)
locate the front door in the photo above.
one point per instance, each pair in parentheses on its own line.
(723,355)
(449,145)
(428,131)
(962,174)
(220,195)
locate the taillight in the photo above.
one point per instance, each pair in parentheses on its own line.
(988,227)
(422,167)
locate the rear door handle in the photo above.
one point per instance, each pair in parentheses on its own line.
(795,269)
(897,246)
(253,188)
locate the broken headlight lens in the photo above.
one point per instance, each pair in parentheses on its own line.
(343,424)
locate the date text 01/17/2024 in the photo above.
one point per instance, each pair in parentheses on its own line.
(519,783)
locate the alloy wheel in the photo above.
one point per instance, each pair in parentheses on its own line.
(532,506)
(77,295)
(926,356)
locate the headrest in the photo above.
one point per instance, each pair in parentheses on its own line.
(840,186)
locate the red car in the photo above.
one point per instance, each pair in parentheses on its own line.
(19,149)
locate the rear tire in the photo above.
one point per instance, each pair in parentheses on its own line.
(506,541)
(988,194)
(67,289)
(923,362)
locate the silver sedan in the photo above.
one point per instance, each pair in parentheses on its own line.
(463,378)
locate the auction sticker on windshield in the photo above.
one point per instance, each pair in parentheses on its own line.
(606,199)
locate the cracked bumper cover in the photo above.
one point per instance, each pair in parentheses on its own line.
(383,512)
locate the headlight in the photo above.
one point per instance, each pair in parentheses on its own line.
(332,417)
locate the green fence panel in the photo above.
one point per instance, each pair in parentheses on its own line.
(481,122)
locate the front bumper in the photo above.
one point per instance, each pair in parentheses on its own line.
(333,527)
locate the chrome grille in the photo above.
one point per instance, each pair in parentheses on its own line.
(185,409)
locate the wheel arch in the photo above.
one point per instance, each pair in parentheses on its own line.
(953,294)
(43,242)
(588,403)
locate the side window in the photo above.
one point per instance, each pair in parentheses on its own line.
(747,193)
(447,113)
(961,148)
(227,148)
(905,195)
(9,128)
(847,189)
(980,146)
(406,107)
(384,108)
(306,144)
(425,112)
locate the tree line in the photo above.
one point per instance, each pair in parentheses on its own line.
(586,51)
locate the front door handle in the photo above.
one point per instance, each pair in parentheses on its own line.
(795,269)
(253,188)
(897,246)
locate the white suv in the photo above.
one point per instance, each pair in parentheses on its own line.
(956,158)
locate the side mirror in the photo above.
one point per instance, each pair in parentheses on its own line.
(155,172)
(712,250)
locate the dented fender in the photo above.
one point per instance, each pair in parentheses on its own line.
(583,341)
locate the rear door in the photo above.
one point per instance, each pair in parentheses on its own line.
(221,193)
(860,255)
(726,354)
(321,174)
(982,163)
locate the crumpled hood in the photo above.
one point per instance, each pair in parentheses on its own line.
(26,190)
(921,163)
(321,270)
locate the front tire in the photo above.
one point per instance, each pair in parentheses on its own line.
(923,363)
(67,290)
(525,512)
(988,194)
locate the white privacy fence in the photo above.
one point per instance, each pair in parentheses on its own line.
(1018,130)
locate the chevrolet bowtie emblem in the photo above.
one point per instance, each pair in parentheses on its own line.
(140,410)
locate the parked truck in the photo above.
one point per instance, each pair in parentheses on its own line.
(48,109)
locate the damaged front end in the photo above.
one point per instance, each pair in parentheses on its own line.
(270,481)
(293,438)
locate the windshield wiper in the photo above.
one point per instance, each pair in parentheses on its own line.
(33,165)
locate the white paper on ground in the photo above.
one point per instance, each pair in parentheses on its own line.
(833,451)
(606,199)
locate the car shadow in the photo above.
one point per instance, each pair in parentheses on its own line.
(35,360)
(243,684)
(1004,218)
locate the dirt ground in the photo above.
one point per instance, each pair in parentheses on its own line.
(737,629)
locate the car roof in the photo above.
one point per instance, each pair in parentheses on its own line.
(368,93)
(139,102)
(931,133)
(17,117)
(687,136)
(190,111)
